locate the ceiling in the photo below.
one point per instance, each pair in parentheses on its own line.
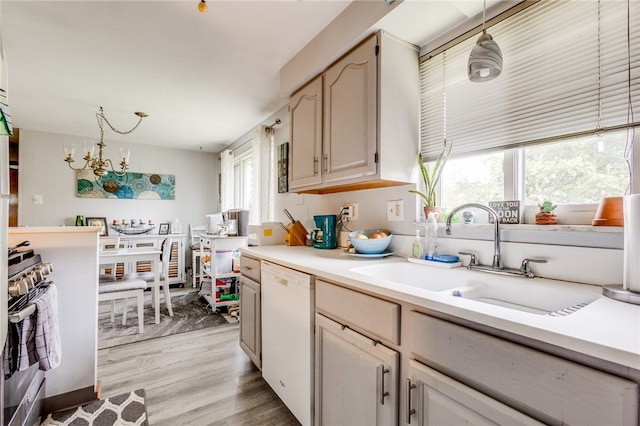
(204,79)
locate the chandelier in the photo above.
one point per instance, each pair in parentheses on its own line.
(98,164)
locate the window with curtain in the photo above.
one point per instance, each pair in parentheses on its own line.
(243,181)
(556,124)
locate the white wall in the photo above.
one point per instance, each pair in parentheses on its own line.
(43,172)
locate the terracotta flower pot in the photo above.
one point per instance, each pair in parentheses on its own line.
(550,218)
(437,212)
(609,213)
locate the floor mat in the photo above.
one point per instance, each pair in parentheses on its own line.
(122,410)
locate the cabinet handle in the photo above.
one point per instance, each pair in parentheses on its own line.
(381,372)
(315,166)
(410,411)
(326,163)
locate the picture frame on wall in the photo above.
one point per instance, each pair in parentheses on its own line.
(283,168)
(98,221)
(164,229)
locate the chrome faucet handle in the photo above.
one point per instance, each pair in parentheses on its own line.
(525,268)
(474,258)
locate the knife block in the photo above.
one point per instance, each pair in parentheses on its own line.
(297,234)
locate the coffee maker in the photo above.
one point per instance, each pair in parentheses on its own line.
(324,237)
(238,221)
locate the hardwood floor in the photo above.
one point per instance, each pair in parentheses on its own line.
(195,378)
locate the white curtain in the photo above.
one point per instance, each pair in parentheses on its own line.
(265,173)
(226,180)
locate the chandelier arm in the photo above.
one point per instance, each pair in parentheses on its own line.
(71,160)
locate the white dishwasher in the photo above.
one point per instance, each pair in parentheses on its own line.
(288,337)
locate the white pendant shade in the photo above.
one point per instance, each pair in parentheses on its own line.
(485,60)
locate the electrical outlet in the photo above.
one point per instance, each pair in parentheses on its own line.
(351,212)
(394,210)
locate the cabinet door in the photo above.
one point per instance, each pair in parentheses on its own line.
(306,135)
(250,332)
(356,380)
(350,110)
(436,399)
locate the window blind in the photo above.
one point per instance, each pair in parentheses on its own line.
(565,72)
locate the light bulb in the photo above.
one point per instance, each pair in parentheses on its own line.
(69,150)
(202,6)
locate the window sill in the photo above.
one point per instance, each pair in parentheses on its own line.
(564,235)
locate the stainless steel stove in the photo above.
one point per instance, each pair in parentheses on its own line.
(22,391)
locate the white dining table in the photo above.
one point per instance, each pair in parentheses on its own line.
(128,255)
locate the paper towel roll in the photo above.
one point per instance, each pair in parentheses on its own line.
(631,206)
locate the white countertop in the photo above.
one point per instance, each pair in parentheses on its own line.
(605,329)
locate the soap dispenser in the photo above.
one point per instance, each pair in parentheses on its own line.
(417,249)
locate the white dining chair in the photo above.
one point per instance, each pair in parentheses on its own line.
(164,275)
(194,237)
(125,290)
(107,271)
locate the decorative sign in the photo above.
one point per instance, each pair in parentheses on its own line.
(146,186)
(508,211)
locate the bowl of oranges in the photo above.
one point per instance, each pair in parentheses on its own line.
(370,241)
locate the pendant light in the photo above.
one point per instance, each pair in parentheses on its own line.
(202,6)
(485,60)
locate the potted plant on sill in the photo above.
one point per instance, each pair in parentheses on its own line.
(546,215)
(430,179)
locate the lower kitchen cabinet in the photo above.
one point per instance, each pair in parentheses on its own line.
(250,332)
(551,389)
(356,377)
(436,399)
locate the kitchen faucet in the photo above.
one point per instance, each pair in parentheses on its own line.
(497,266)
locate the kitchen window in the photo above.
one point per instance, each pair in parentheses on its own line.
(243,181)
(557,124)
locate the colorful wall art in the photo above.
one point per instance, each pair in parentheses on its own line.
(140,186)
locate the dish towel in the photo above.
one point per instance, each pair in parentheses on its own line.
(47,333)
(19,349)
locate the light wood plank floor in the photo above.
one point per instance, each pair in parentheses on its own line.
(195,378)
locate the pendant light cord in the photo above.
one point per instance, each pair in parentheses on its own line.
(631,130)
(484,15)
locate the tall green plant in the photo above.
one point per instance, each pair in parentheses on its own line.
(430,178)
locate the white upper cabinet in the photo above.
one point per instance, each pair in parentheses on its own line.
(356,125)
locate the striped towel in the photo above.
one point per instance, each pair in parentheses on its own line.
(47,334)
(19,350)
(35,339)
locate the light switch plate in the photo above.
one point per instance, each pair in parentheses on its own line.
(395,211)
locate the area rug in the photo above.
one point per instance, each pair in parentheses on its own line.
(122,410)
(190,312)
